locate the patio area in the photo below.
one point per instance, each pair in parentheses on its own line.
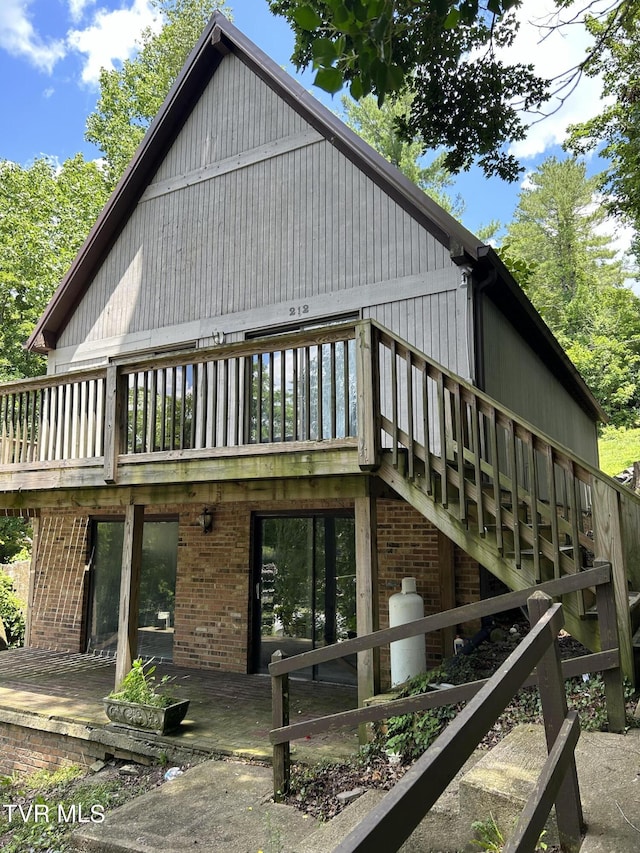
(229,713)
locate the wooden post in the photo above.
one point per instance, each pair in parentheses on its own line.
(367,396)
(613,686)
(554,708)
(280,718)
(111,425)
(367,610)
(129,590)
(446,570)
(607,533)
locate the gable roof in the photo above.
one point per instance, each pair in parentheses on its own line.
(219,38)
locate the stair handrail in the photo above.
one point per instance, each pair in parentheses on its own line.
(607,662)
(394,818)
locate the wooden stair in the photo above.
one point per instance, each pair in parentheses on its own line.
(512,498)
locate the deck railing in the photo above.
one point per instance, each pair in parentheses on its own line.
(288,388)
(499,478)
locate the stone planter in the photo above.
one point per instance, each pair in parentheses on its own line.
(146,718)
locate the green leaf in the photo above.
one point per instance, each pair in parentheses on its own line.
(356,89)
(307,18)
(329,79)
(452,20)
(324,51)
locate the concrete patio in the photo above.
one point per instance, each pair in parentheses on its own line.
(229,713)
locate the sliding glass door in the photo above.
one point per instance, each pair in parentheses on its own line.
(305,594)
(157,588)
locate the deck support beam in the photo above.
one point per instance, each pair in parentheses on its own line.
(367,617)
(129,590)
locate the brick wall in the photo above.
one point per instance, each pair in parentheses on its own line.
(25,750)
(211,617)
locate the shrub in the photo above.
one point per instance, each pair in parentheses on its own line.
(11,612)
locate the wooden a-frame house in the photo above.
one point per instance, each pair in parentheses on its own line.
(280,379)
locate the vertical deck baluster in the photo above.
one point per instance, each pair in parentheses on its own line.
(74,416)
(533,491)
(271,409)
(283,395)
(513,472)
(43,435)
(144,445)
(4,432)
(185,433)
(333,403)
(295,407)
(574,509)
(259,401)
(428,473)
(132,409)
(410,433)
(62,426)
(82,437)
(174,406)
(553,509)
(320,406)
(162,376)
(477,463)
(237,406)
(459,432)
(394,403)
(345,389)
(200,408)
(212,404)
(497,488)
(442,423)
(152,420)
(19,437)
(225,403)
(307,395)
(91,418)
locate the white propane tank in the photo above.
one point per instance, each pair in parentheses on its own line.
(408,657)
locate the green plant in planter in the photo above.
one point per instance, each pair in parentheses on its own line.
(139,686)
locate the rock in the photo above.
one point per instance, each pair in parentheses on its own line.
(97,766)
(129,770)
(346,797)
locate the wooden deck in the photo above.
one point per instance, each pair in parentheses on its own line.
(229,713)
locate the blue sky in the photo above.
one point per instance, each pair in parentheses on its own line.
(51,52)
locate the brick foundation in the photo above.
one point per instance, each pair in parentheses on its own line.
(25,750)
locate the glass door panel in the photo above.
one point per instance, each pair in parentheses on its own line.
(157,588)
(306,590)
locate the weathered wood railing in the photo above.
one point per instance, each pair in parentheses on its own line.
(502,481)
(298,387)
(394,818)
(606,661)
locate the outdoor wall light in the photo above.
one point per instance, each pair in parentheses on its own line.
(205,520)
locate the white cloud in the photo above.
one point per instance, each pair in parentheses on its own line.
(551,57)
(18,37)
(77,7)
(111,38)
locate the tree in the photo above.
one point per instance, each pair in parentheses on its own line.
(131,96)
(615,131)
(468,100)
(46,212)
(577,284)
(379,126)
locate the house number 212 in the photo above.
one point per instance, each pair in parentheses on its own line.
(298,310)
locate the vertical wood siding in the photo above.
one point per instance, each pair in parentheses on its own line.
(517,378)
(299,223)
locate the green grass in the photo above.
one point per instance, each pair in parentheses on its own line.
(618,448)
